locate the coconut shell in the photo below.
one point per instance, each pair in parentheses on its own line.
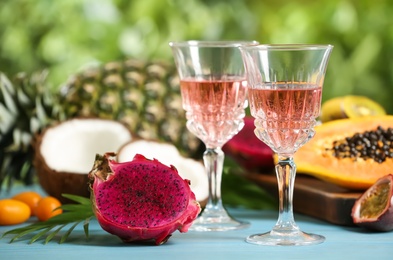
(56,183)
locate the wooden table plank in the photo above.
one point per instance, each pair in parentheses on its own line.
(314,197)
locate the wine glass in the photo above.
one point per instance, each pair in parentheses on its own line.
(284,94)
(214,91)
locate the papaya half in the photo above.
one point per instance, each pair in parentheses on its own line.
(353,153)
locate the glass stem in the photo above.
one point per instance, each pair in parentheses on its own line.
(286,173)
(214,161)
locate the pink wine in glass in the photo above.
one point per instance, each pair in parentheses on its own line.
(285,115)
(214,109)
(285,85)
(213,88)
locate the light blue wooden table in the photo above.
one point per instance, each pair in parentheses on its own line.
(341,243)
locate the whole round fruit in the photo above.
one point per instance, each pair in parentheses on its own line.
(374,209)
(13,212)
(31,198)
(48,207)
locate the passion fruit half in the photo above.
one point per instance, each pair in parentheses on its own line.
(374,209)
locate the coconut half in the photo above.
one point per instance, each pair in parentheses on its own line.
(65,153)
(168,154)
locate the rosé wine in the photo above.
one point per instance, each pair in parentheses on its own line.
(214,109)
(285,116)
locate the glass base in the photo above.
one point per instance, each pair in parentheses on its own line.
(217,219)
(298,238)
(218,224)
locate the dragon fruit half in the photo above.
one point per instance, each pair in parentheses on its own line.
(141,199)
(248,151)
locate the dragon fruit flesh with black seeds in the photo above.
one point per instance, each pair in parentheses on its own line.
(141,199)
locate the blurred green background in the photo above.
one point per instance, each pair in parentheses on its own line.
(67,35)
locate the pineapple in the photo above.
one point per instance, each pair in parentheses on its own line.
(143,95)
(8,113)
(26,106)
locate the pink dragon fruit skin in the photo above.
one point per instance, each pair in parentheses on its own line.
(142,199)
(248,151)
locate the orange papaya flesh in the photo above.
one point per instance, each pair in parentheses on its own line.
(317,157)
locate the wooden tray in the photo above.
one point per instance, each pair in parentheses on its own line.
(314,197)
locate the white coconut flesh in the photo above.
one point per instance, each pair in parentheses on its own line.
(168,154)
(164,152)
(72,145)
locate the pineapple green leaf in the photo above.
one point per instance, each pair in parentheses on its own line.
(7,92)
(72,214)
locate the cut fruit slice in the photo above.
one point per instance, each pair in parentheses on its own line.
(359,106)
(374,209)
(248,151)
(141,200)
(64,153)
(72,146)
(330,156)
(350,106)
(167,153)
